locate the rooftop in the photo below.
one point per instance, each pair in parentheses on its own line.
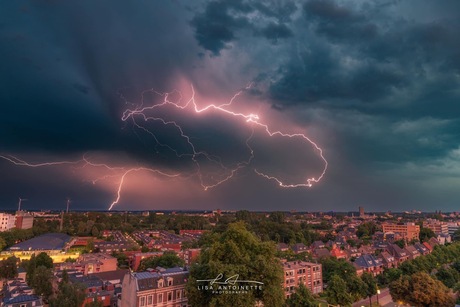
(49,241)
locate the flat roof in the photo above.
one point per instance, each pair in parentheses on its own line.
(48,241)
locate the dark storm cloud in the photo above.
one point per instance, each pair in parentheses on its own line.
(339,22)
(222,21)
(374,83)
(381,75)
(64,64)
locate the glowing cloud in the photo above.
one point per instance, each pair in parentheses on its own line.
(209,168)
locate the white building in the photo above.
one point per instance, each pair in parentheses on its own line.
(7,221)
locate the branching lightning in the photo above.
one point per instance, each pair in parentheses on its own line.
(142,114)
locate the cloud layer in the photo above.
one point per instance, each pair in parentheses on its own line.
(375,83)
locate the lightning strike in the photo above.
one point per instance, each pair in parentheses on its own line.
(139,116)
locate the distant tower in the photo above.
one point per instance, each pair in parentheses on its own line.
(68,204)
(361,211)
(19,203)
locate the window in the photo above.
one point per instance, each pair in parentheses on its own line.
(149,300)
(178,296)
(160,298)
(169,296)
(142,301)
(170,282)
(160,283)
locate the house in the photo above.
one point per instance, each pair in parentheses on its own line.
(299,248)
(23,300)
(353,252)
(412,252)
(321,253)
(282,247)
(317,244)
(422,249)
(16,293)
(338,253)
(428,246)
(366,249)
(400,254)
(165,287)
(443,238)
(388,260)
(368,263)
(433,242)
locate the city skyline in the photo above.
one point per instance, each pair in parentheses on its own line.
(364,93)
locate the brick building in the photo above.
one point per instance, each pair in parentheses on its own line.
(408,231)
(297,272)
(165,287)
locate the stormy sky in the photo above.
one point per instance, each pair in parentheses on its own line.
(374,84)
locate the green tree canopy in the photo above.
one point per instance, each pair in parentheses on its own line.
(337,292)
(371,285)
(238,254)
(301,298)
(41,281)
(69,294)
(426,234)
(167,260)
(420,289)
(9,268)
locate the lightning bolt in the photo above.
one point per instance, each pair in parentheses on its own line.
(140,115)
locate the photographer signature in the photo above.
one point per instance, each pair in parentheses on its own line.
(229,281)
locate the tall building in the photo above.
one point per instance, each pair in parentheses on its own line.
(438,227)
(361,211)
(452,227)
(408,231)
(301,272)
(165,287)
(7,221)
(24,220)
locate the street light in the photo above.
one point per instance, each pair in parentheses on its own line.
(378,292)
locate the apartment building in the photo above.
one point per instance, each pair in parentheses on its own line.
(165,287)
(408,231)
(301,272)
(7,221)
(438,227)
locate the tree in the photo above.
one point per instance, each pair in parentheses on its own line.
(426,234)
(400,243)
(448,277)
(44,260)
(301,298)
(90,245)
(420,289)
(2,244)
(337,292)
(236,255)
(366,229)
(456,235)
(8,268)
(69,294)
(167,260)
(333,266)
(41,259)
(356,287)
(371,285)
(41,281)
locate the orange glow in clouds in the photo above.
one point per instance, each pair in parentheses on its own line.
(210,169)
